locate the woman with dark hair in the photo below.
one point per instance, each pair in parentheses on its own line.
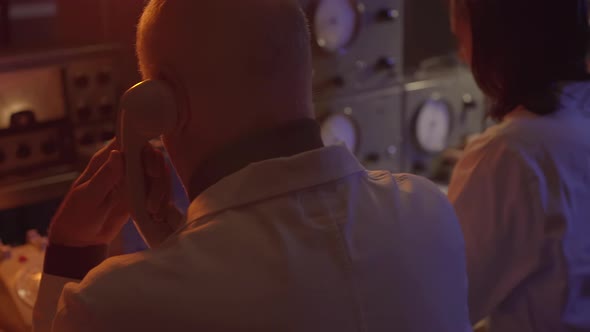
(522,189)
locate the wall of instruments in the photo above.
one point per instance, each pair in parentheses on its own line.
(388,85)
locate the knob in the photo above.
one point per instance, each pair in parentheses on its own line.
(106,109)
(469,101)
(385,63)
(107,135)
(81,81)
(372,158)
(49,147)
(87,139)
(23,151)
(388,14)
(104,77)
(338,81)
(84,112)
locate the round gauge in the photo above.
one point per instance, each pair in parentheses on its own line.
(335,23)
(433,126)
(340,129)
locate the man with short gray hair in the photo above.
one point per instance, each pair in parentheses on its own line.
(283,234)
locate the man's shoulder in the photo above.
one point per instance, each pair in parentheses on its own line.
(413,199)
(410,189)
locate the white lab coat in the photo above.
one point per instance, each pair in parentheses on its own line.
(308,243)
(522,194)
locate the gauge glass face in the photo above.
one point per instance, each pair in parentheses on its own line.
(335,24)
(433,126)
(340,130)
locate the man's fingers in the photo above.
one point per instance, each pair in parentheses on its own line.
(153,162)
(159,192)
(107,178)
(97,161)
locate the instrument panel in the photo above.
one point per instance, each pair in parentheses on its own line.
(56,109)
(392,56)
(350,56)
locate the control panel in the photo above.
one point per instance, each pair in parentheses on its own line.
(56,109)
(20,277)
(357,45)
(387,83)
(440,113)
(44,145)
(370,125)
(92,99)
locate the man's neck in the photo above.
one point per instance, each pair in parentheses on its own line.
(287,140)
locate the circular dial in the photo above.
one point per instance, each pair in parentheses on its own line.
(433,126)
(335,23)
(340,129)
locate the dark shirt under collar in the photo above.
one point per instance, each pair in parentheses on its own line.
(285,141)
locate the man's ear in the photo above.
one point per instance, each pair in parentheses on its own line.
(181,96)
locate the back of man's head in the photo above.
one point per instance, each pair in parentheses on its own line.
(237,67)
(254,50)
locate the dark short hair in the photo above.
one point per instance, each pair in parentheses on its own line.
(523,48)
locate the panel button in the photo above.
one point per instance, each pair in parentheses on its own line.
(24,151)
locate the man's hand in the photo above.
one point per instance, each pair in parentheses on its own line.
(96,208)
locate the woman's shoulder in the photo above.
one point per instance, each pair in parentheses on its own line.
(507,142)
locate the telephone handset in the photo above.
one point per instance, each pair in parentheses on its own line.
(148,110)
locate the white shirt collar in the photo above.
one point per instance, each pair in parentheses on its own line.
(275,177)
